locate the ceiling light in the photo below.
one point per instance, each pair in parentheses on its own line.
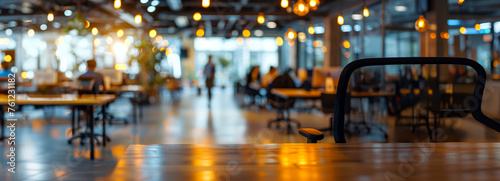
(95,31)
(56,25)
(155,3)
(50,17)
(311,29)
(284,3)
(200,32)
(246,33)
(119,33)
(357,16)
(138,19)
(477,27)
(366,12)
(144,1)
(261,19)
(313,4)
(151,9)
(117,4)
(197,16)
(290,34)
(421,24)
(43,27)
(463,30)
(302,37)
(205,3)
(152,33)
(8,32)
(31,32)
(258,33)
(271,24)
(400,8)
(68,13)
(340,19)
(346,44)
(300,8)
(87,24)
(279,41)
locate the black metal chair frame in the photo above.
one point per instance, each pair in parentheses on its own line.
(476,99)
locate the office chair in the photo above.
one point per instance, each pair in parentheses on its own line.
(280,104)
(85,85)
(314,135)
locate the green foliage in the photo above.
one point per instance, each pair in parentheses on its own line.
(77,23)
(224,62)
(147,59)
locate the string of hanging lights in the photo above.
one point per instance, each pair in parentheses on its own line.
(301,7)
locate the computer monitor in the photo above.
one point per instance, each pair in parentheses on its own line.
(45,77)
(115,76)
(321,73)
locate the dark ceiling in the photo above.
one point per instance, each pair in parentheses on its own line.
(221,17)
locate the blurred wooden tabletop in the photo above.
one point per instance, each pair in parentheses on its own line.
(370,161)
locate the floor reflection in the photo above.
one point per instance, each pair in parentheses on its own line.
(44,154)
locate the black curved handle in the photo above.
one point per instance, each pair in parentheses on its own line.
(338,125)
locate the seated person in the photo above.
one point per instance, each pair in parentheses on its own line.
(98,78)
(5,69)
(252,77)
(270,76)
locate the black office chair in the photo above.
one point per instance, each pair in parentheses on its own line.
(328,108)
(280,104)
(85,85)
(313,135)
(443,105)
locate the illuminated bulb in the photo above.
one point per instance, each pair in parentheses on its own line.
(200,32)
(246,33)
(300,8)
(463,30)
(87,24)
(120,66)
(31,32)
(346,44)
(366,12)
(119,33)
(152,33)
(95,31)
(109,40)
(460,2)
(8,58)
(284,3)
(97,42)
(205,3)
(313,4)
(323,48)
(117,4)
(138,19)
(158,39)
(261,19)
(340,19)
(197,16)
(433,35)
(50,17)
(290,34)
(311,29)
(478,27)
(421,24)
(279,41)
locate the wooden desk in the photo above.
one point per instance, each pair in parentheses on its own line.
(60,100)
(316,94)
(296,93)
(137,90)
(302,161)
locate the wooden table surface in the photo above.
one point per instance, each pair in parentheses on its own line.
(59,99)
(314,93)
(302,161)
(127,88)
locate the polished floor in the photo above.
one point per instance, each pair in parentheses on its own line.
(43,154)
